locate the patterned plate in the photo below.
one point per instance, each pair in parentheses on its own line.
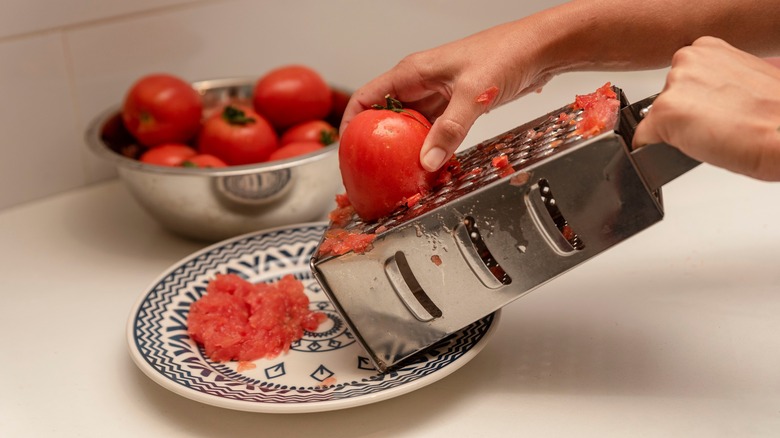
(325,370)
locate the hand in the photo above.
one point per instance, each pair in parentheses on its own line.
(720,105)
(454,84)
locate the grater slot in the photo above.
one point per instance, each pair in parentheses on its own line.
(550,221)
(408,289)
(478,256)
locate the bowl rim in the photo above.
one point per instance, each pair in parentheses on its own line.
(97,146)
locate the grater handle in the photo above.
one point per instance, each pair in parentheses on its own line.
(658,163)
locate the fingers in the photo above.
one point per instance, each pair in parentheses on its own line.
(647,132)
(453,108)
(452,119)
(353,108)
(402,82)
(450,129)
(432,106)
(362,99)
(719,106)
(669,115)
(773,61)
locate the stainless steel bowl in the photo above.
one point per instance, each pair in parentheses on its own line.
(214,204)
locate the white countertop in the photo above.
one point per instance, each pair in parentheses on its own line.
(675,332)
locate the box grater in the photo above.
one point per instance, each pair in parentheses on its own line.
(492,233)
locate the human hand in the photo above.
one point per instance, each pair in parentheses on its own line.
(720,105)
(454,84)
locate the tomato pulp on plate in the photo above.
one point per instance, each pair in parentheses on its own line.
(239,320)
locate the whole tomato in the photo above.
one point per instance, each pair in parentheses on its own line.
(203,161)
(294,149)
(170,154)
(313,130)
(161,108)
(379,157)
(238,135)
(290,95)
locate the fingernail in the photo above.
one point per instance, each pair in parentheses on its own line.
(433,159)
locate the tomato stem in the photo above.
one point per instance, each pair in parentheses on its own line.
(391,104)
(145,117)
(327,137)
(235,116)
(395,105)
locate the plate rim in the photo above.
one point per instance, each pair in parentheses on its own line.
(281,408)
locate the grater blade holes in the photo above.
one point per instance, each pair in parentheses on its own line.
(523,146)
(546,194)
(484,252)
(408,289)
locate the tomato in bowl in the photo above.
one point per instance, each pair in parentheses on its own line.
(213,202)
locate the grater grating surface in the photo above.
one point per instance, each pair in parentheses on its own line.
(473,169)
(512,213)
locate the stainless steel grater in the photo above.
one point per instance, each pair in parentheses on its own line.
(493,233)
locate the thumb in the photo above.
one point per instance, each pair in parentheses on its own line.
(449,130)
(646,132)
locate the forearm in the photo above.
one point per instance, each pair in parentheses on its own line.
(636,34)
(446,83)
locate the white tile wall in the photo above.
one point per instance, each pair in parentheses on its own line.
(20,17)
(94,53)
(39,138)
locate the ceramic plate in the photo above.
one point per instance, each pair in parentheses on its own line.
(325,370)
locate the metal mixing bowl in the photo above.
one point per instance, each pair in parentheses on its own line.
(214,204)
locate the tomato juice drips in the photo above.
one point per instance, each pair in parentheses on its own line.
(239,320)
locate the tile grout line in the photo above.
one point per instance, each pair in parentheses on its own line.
(80,123)
(75,103)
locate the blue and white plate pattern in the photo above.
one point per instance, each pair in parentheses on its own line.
(326,370)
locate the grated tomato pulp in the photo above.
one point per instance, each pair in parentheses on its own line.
(239,320)
(600,110)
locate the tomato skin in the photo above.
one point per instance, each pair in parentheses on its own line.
(162,108)
(169,154)
(203,161)
(290,95)
(294,149)
(313,130)
(236,142)
(379,158)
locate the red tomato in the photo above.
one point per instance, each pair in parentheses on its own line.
(161,108)
(294,149)
(290,95)
(170,154)
(379,157)
(203,161)
(238,135)
(313,130)
(339,100)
